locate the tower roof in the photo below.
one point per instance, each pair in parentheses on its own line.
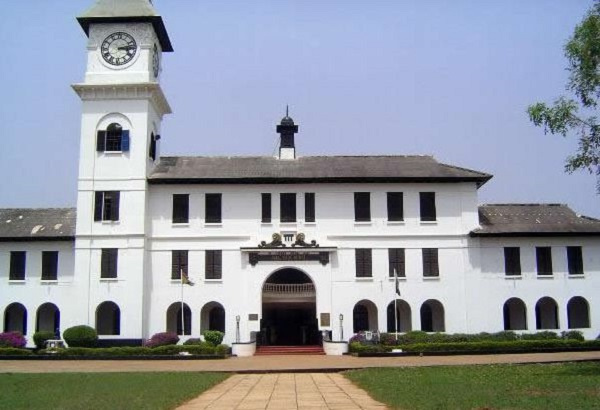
(117,11)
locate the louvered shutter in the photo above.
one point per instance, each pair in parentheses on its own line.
(181,208)
(218,264)
(427,206)
(287,207)
(98,201)
(362,206)
(309,207)
(395,206)
(213,208)
(115,208)
(266,208)
(101,141)
(125,140)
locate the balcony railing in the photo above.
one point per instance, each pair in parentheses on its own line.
(291,289)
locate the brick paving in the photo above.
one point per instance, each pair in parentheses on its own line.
(258,364)
(284,391)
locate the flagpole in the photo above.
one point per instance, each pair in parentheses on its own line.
(395,303)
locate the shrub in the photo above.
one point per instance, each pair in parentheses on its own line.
(214,337)
(162,339)
(194,341)
(546,335)
(80,336)
(13,351)
(572,335)
(12,339)
(40,338)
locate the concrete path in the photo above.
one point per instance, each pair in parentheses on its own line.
(258,364)
(284,391)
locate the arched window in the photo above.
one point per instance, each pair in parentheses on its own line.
(48,319)
(432,316)
(403,315)
(15,318)
(546,314)
(114,139)
(364,316)
(578,313)
(515,314)
(108,319)
(212,317)
(174,319)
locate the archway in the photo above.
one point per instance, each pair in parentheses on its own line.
(515,314)
(403,315)
(578,313)
(364,316)
(15,318)
(174,319)
(432,316)
(48,318)
(546,314)
(212,317)
(108,319)
(289,309)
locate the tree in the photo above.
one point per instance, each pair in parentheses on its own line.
(567,115)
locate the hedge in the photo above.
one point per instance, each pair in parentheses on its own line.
(14,351)
(139,351)
(80,336)
(488,346)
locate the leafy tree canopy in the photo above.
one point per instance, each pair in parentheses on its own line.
(564,115)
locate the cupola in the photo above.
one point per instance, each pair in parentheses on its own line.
(286,129)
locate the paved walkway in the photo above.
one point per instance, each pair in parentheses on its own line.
(257,364)
(284,391)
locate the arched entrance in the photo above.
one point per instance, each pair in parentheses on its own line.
(289,310)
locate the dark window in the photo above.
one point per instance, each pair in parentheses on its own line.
(106,207)
(213,265)
(213,208)
(49,265)
(266,208)
(309,207)
(179,262)
(152,150)
(428,212)
(430,262)
(362,206)
(512,261)
(115,138)
(396,261)
(108,264)
(395,206)
(575,260)
(17,265)
(543,256)
(363,263)
(181,208)
(288,207)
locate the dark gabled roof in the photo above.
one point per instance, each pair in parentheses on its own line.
(323,169)
(26,224)
(127,11)
(533,220)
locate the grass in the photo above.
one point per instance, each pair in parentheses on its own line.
(102,390)
(535,386)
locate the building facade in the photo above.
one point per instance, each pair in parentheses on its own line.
(278,249)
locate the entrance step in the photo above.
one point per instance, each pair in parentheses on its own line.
(285,350)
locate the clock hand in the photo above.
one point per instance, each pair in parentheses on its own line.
(126,48)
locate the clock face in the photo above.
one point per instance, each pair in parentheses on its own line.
(118,48)
(155,61)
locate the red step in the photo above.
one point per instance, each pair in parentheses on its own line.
(285,350)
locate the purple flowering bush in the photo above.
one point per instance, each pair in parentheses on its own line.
(12,339)
(162,339)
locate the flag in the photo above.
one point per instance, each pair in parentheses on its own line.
(185,280)
(397,282)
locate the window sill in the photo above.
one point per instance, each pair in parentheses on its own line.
(213,280)
(400,278)
(112,153)
(310,224)
(513,277)
(578,276)
(180,224)
(48,281)
(289,224)
(545,276)
(364,279)
(431,278)
(110,222)
(109,279)
(428,222)
(17,281)
(264,223)
(213,224)
(363,223)
(395,222)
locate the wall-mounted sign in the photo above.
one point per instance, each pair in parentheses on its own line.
(287,256)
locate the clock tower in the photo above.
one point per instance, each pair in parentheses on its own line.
(123,105)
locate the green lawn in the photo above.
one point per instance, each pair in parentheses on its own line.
(102,390)
(536,386)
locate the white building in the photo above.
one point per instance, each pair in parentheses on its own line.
(283,247)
